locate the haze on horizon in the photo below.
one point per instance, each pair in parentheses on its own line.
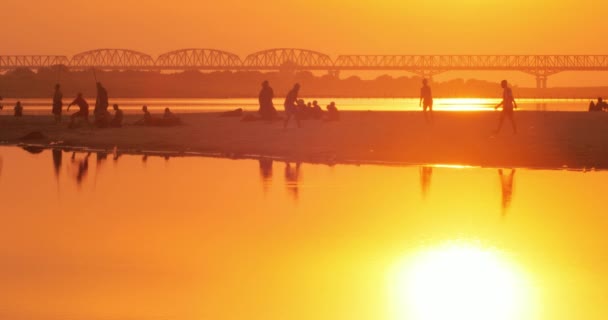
(330,26)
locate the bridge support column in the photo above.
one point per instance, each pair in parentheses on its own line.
(541,82)
(334,73)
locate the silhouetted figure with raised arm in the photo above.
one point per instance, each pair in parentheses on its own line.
(83,110)
(18,109)
(57,103)
(506,183)
(426,100)
(118,116)
(425,180)
(291,108)
(267,110)
(508,104)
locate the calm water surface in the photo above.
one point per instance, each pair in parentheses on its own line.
(133,237)
(43,106)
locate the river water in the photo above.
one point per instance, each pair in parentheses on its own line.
(110,236)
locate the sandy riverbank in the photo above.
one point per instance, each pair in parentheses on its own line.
(545,139)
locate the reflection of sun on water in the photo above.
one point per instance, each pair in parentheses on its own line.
(460,282)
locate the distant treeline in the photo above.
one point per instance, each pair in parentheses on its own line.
(24,83)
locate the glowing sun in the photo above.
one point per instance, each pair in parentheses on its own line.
(459,282)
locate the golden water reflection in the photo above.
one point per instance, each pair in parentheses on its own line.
(101,236)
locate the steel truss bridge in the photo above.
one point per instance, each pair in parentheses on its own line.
(289,59)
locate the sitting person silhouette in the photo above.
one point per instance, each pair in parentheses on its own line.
(332,112)
(317,112)
(116,121)
(170,119)
(147,120)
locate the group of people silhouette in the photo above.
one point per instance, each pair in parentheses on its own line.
(601,105)
(295,108)
(103,118)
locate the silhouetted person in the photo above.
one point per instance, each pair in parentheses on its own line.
(265,171)
(508,104)
(18,109)
(332,112)
(57,103)
(601,105)
(591,106)
(170,119)
(83,110)
(302,110)
(506,183)
(308,110)
(426,100)
(118,116)
(147,119)
(292,179)
(57,157)
(1,105)
(425,180)
(102,103)
(267,110)
(291,109)
(317,112)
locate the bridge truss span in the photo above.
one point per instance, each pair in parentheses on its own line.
(201,59)
(287,58)
(31,61)
(112,59)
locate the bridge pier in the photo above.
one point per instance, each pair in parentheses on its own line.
(334,73)
(541,81)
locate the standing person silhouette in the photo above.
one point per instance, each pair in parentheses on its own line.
(290,105)
(267,110)
(426,100)
(57,103)
(101,104)
(508,104)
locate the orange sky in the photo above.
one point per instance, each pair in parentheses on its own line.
(330,26)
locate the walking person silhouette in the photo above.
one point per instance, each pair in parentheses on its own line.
(426,100)
(508,104)
(290,105)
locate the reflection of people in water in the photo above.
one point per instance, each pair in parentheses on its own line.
(57,157)
(292,178)
(83,167)
(425,180)
(506,182)
(265,172)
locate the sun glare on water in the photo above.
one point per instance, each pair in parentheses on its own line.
(459,282)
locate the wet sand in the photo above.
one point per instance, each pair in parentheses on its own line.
(544,139)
